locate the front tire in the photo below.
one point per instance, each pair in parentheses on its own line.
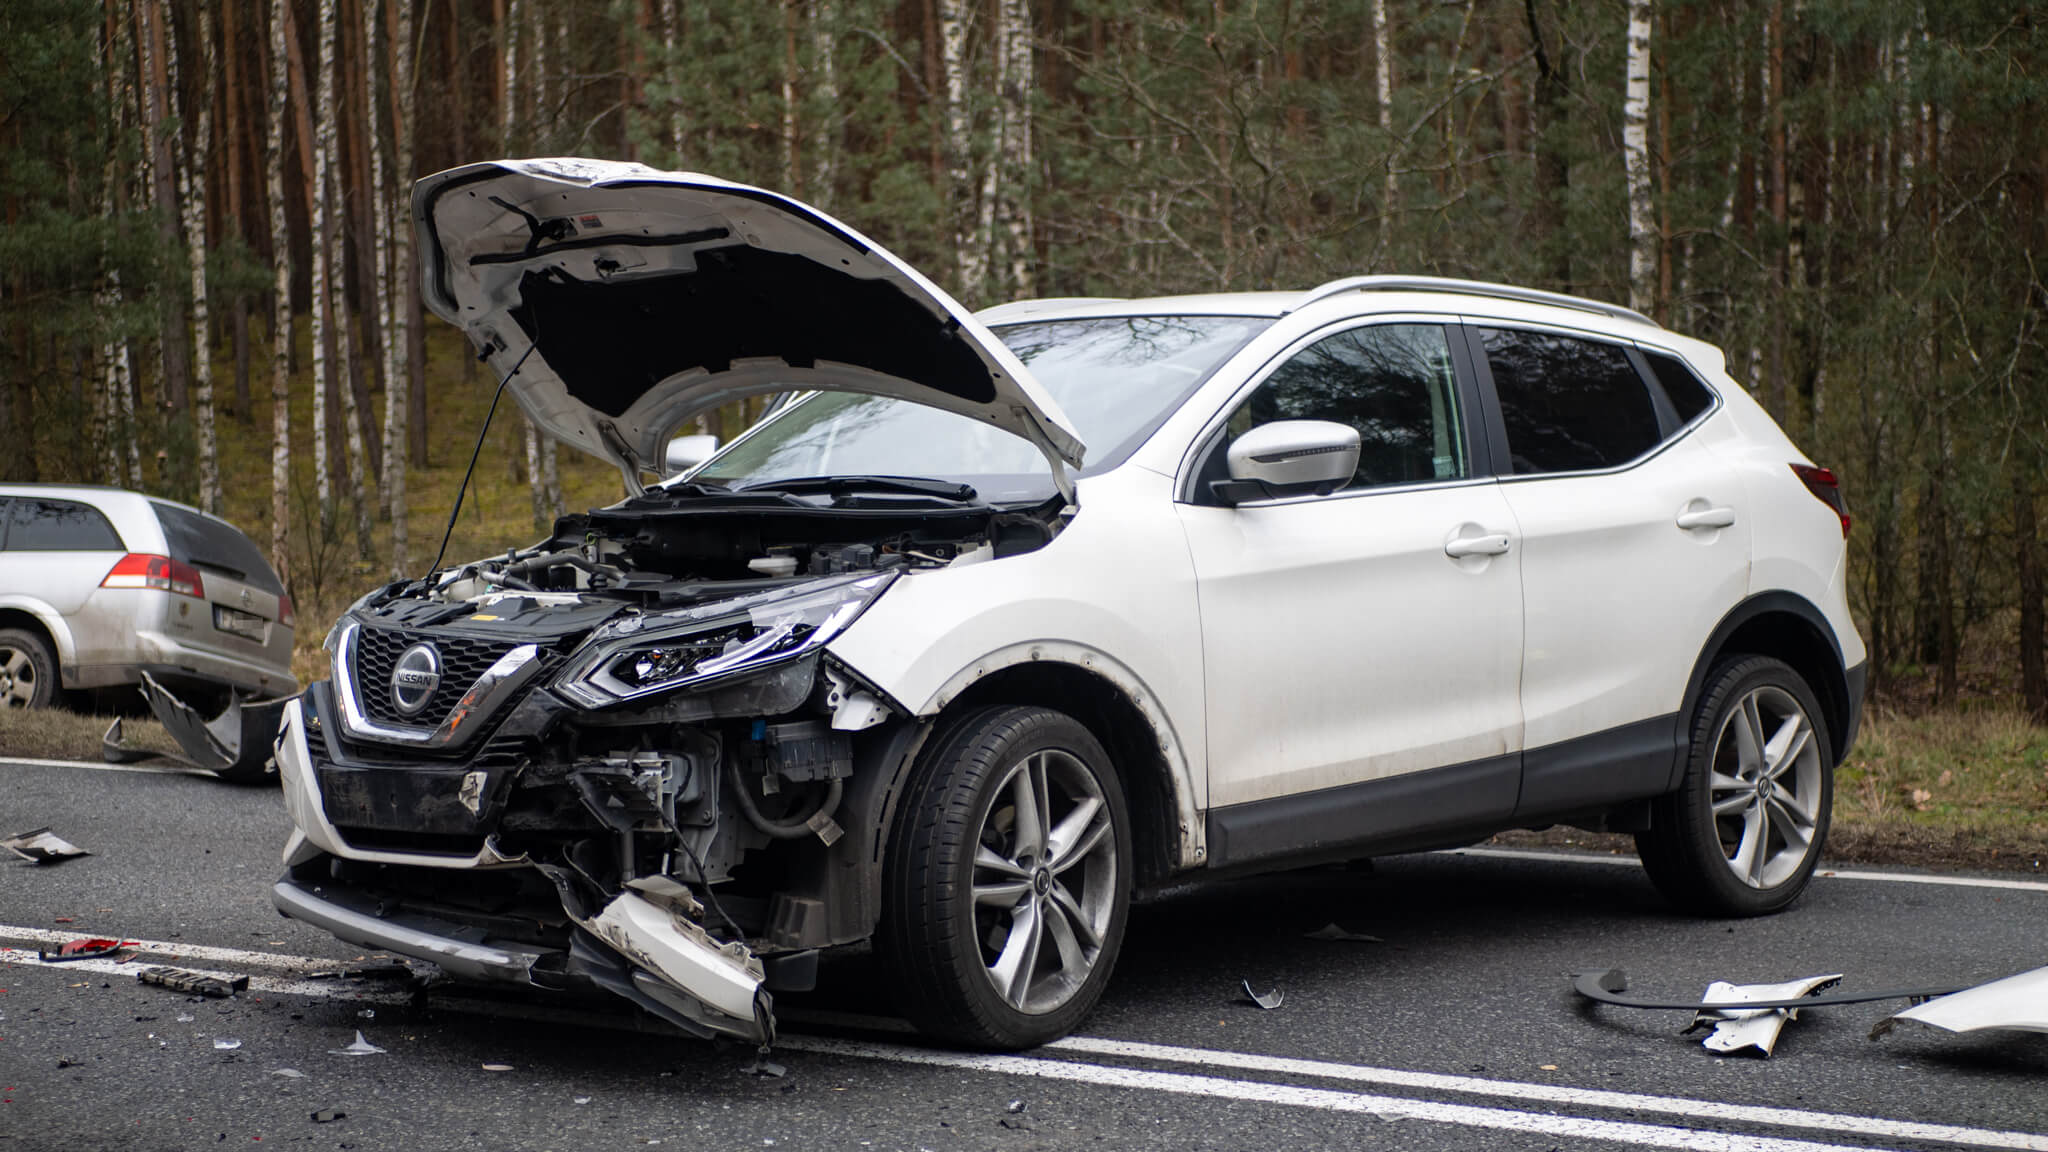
(1741,835)
(1006,885)
(28,670)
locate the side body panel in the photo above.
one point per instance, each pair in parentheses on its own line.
(1114,592)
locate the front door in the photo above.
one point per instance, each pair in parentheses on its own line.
(1355,642)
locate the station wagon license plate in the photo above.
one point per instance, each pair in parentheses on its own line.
(234,622)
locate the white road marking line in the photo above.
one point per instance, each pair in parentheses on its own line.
(1558,1094)
(269,985)
(172,949)
(1828,873)
(1110,1076)
(144,769)
(1574,1128)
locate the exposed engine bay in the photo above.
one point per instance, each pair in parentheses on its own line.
(622,757)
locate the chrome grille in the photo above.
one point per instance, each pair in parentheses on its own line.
(462,661)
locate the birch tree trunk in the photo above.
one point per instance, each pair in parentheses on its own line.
(400,382)
(377,279)
(1383,84)
(192,194)
(323,244)
(792,174)
(334,236)
(113,431)
(968,248)
(1635,152)
(825,76)
(670,24)
(1018,90)
(281,291)
(174,344)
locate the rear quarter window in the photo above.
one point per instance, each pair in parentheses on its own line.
(204,542)
(37,524)
(1689,396)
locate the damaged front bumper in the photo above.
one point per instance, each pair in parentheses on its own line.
(415,868)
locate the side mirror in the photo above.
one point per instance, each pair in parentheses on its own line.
(686,452)
(1289,458)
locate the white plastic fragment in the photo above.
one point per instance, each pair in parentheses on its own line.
(361,1047)
(1737,1029)
(1266,1000)
(2019,1002)
(226,1043)
(288,1073)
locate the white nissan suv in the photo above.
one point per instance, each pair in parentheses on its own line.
(1011,615)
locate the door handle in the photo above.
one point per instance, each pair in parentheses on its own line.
(1493,545)
(1706,518)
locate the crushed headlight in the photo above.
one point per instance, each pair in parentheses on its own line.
(664,651)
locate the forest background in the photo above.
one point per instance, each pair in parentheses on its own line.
(208,289)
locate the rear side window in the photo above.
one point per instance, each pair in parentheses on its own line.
(205,542)
(39,525)
(1689,397)
(1570,405)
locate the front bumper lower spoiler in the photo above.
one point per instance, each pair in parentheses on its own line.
(648,950)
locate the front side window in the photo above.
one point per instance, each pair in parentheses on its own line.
(1392,382)
(1570,405)
(39,525)
(1116,379)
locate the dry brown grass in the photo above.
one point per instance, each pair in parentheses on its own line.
(57,734)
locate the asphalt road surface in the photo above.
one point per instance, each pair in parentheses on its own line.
(1454,1028)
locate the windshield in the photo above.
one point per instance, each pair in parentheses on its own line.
(1117,379)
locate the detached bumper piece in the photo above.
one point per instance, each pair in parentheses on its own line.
(634,947)
(235,745)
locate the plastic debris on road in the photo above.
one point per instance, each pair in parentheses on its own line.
(88,948)
(497,1067)
(41,846)
(288,1073)
(328,1115)
(226,1044)
(1338,933)
(2018,1002)
(361,1047)
(193,983)
(1266,1000)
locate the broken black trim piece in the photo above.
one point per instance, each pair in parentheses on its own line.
(1606,987)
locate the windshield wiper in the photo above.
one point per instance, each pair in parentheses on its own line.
(838,486)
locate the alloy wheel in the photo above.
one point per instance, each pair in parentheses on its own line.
(1765,787)
(17,678)
(1045,881)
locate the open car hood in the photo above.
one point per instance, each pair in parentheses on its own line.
(640,299)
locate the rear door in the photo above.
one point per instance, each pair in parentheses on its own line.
(1635,543)
(244,597)
(56,553)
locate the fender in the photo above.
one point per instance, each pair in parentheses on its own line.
(1193,846)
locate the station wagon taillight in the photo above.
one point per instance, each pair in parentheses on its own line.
(285,614)
(1826,489)
(142,570)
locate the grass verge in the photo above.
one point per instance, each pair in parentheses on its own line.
(57,734)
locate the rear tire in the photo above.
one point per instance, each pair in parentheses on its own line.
(28,670)
(1006,884)
(1743,831)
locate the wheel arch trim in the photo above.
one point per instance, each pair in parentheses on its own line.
(1191,849)
(1836,688)
(49,623)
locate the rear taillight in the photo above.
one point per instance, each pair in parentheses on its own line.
(285,615)
(142,570)
(1826,489)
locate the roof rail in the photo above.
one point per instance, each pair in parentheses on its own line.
(1469,287)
